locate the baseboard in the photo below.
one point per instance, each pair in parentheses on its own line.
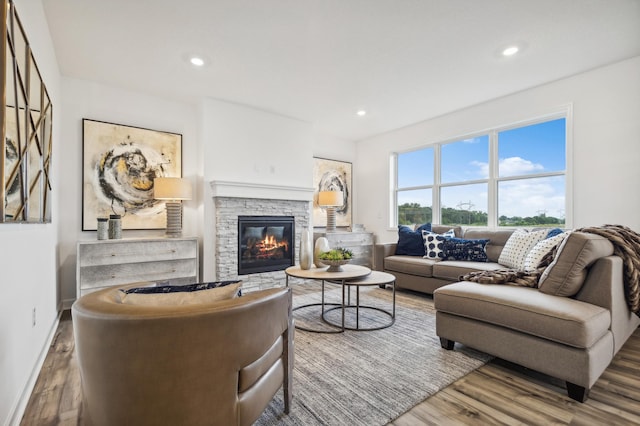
(15,416)
(66,304)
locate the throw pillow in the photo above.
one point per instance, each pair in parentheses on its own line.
(469,250)
(540,250)
(172,295)
(410,242)
(433,243)
(518,246)
(553,232)
(566,274)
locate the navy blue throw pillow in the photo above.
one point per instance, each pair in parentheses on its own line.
(461,249)
(410,242)
(553,232)
(179,288)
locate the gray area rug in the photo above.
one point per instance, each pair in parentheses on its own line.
(368,377)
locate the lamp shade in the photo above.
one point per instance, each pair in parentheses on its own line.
(171,188)
(330,198)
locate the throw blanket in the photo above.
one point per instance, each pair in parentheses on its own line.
(512,276)
(626,245)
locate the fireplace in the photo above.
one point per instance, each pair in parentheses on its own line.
(265,243)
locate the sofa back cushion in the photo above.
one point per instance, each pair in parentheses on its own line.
(497,240)
(566,274)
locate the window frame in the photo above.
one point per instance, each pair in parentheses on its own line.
(493,179)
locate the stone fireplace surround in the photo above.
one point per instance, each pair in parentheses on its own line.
(233,199)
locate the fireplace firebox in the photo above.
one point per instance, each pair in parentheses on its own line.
(265,243)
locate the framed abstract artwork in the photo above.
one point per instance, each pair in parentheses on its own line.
(119,164)
(332,175)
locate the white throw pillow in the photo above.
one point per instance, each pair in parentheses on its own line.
(434,242)
(541,249)
(518,246)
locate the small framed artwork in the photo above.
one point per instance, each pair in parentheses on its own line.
(119,164)
(332,175)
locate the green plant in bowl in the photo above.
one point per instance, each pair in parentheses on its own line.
(335,258)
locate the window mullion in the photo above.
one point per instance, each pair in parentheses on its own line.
(492,207)
(435,193)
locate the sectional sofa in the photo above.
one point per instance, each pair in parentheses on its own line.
(570,327)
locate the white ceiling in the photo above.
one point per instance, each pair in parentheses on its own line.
(321,60)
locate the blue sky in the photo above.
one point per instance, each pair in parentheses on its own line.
(533,149)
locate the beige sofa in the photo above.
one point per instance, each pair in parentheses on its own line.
(570,328)
(425,275)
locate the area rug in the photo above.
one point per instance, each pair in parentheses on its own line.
(368,377)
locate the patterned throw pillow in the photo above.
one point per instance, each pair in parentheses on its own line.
(518,246)
(469,250)
(433,243)
(410,242)
(172,295)
(541,249)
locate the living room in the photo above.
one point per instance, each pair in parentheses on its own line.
(39,260)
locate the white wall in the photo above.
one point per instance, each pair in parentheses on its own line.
(84,99)
(243,144)
(28,255)
(606,146)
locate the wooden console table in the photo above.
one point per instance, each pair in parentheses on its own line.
(106,263)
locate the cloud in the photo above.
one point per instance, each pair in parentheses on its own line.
(514,166)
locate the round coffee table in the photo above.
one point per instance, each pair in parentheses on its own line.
(375,278)
(349,272)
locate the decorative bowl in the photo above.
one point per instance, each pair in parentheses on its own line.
(335,265)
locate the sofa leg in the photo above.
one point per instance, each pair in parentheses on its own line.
(576,392)
(446,343)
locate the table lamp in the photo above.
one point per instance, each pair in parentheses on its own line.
(330,200)
(173,190)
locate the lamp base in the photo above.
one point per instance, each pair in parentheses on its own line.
(331,219)
(174,219)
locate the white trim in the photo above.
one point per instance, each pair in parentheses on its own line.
(256,190)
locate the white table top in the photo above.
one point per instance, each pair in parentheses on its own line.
(349,272)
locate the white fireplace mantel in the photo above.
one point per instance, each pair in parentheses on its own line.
(256,190)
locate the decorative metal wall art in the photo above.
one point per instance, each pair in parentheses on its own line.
(119,165)
(26,117)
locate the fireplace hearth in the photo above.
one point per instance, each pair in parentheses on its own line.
(265,243)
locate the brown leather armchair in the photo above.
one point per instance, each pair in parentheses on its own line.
(215,364)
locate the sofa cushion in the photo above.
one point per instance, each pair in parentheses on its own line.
(409,264)
(172,295)
(410,242)
(453,269)
(461,249)
(566,274)
(541,249)
(433,243)
(518,246)
(526,310)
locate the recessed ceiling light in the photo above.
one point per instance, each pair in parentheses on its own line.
(361,113)
(197,61)
(510,51)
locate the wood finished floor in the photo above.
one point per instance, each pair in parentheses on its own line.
(498,393)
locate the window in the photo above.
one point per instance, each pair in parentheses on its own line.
(512,176)
(414,186)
